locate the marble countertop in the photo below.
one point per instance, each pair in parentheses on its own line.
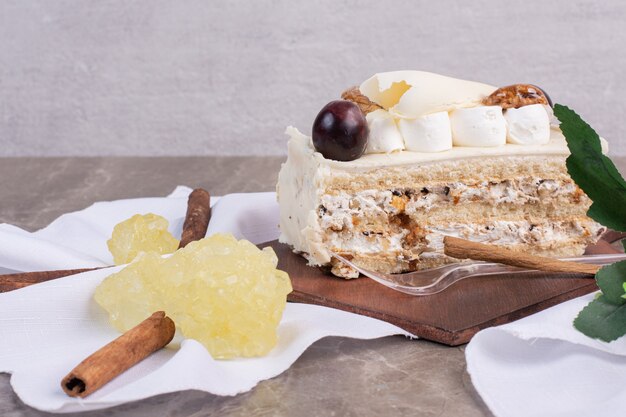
(334,377)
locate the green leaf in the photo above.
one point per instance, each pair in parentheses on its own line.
(611,280)
(602,320)
(624,243)
(593,171)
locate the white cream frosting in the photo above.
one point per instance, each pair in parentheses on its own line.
(528,125)
(428,133)
(478,126)
(298,191)
(418,101)
(384,136)
(556,146)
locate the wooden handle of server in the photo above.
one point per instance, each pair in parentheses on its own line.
(465,249)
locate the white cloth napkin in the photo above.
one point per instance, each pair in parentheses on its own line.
(78,240)
(47,329)
(542,366)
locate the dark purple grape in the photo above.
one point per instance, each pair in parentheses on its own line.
(340,131)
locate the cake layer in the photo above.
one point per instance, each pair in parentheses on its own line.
(529,198)
(466,171)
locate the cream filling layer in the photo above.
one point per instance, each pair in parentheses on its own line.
(505,192)
(505,233)
(361,223)
(509,233)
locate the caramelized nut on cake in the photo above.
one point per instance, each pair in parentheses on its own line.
(399,202)
(354,95)
(415,236)
(577,195)
(517,95)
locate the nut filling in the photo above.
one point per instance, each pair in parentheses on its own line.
(396,222)
(354,95)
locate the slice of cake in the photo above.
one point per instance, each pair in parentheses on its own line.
(410,157)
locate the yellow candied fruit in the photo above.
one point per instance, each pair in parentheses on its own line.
(141,233)
(226,294)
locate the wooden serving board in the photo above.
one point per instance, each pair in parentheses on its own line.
(451,317)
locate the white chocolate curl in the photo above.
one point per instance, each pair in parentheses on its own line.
(411,94)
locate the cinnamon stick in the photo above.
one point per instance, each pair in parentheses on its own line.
(197,218)
(10,282)
(111,360)
(465,249)
(194,228)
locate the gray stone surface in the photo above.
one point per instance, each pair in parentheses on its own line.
(392,376)
(34,191)
(197,77)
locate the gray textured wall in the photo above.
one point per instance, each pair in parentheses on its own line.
(225,77)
